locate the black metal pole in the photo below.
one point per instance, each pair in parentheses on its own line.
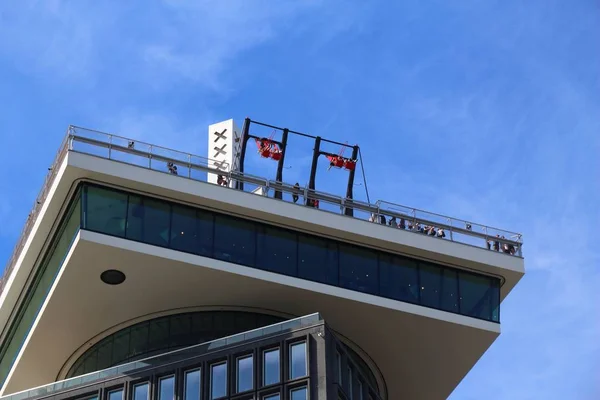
(349,191)
(313,167)
(279,176)
(245,131)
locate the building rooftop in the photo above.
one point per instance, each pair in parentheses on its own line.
(183,164)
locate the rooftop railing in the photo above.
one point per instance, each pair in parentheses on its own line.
(134,152)
(165,359)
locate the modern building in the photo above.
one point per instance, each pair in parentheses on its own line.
(146,273)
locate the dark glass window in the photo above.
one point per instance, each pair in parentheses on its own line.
(291,253)
(166,388)
(184,232)
(120,346)
(235,240)
(115,395)
(271,367)
(317,259)
(106,211)
(298,365)
(192,385)
(350,381)
(338,365)
(495,299)
(245,373)
(141,391)
(299,394)
(431,284)
(206,230)
(475,295)
(449,298)
(218,380)
(358,269)
(156,222)
(135,218)
(399,278)
(276,250)
(158,334)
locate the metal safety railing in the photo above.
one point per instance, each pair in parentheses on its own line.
(158,158)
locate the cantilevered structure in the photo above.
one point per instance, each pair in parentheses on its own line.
(144,272)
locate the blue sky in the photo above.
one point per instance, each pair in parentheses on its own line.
(484,110)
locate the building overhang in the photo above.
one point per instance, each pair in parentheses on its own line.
(441,347)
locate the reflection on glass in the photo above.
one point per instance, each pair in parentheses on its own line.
(271,367)
(166,388)
(140,392)
(116,395)
(358,269)
(299,394)
(192,385)
(297,360)
(244,374)
(272,397)
(218,380)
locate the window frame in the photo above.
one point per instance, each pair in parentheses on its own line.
(237,372)
(304,342)
(211,380)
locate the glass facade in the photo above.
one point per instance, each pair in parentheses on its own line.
(291,253)
(164,334)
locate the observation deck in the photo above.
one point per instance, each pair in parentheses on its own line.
(194,167)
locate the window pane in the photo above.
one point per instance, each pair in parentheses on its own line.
(449,290)
(135,218)
(156,222)
(158,334)
(116,395)
(338,364)
(235,240)
(359,389)
(276,250)
(206,223)
(218,381)
(272,397)
(184,235)
(475,295)
(271,367)
(245,373)
(298,360)
(192,385)
(431,284)
(120,346)
(106,211)
(350,394)
(166,388)
(140,392)
(495,299)
(399,278)
(299,394)
(317,259)
(358,269)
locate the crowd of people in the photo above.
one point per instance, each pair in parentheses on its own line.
(431,230)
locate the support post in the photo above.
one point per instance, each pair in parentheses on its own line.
(313,168)
(239,184)
(279,176)
(349,189)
